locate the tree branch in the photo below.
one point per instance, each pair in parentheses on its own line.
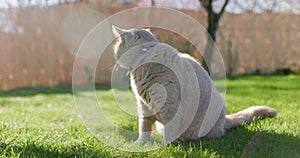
(207,4)
(223,8)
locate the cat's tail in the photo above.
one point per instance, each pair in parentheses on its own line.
(247,115)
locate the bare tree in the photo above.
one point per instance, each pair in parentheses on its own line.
(213,19)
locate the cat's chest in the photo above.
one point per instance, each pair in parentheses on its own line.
(141,83)
(151,99)
(147,80)
(154,86)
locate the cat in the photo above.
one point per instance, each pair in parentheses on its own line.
(159,89)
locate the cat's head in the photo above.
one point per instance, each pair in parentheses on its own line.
(128,39)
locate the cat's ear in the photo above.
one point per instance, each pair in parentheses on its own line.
(147,29)
(117,31)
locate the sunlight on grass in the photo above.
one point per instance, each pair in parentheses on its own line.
(45,123)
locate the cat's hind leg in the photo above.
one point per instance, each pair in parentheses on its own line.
(171,130)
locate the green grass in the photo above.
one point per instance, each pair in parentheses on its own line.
(45,123)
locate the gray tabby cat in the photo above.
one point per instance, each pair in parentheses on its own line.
(159,90)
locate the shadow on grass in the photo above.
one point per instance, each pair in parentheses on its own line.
(62,89)
(32,150)
(240,142)
(265,144)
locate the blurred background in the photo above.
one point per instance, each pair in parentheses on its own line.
(39,38)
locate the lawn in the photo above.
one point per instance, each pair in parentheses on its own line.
(45,123)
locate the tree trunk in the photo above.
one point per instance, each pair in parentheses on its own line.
(213,22)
